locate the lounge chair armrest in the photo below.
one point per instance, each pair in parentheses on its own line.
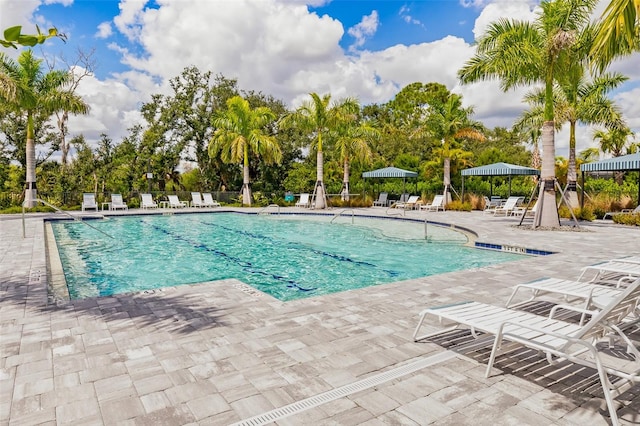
(571,308)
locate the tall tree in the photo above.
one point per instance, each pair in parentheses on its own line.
(37,92)
(81,67)
(614,141)
(524,53)
(352,142)
(317,118)
(450,122)
(578,99)
(241,133)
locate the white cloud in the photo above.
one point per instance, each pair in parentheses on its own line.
(407,17)
(129,20)
(104,30)
(521,10)
(364,29)
(62,2)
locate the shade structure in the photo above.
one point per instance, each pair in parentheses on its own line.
(625,163)
(616,164)
(499,169)
(389,172)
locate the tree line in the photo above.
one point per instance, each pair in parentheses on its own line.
(237,139)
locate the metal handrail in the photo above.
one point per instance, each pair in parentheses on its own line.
(270,205)
(24,234)
(340,214)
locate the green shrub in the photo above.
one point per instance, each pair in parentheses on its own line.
(365,201)
(458,205)
(627,219)
(585,213)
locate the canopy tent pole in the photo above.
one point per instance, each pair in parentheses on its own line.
(509,185)
(582,198)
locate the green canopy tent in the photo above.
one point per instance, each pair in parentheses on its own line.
(391,172)
(625,163)
(499,169)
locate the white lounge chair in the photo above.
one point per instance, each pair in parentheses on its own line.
(382,200)
(175,203)
(196,200)
(623,211)
(528,212)
(508,207)
(436,204)
(147,202)
(303,201)
(89,202)
(611,272)
(208,201)
(555,338)
(118,203)
(410,204)
(589,295)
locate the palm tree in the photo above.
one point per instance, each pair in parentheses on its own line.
(618,32)
(318,117)
(613,141)
(529,124)
(577,99)
(448,122)
(36,92)
(351,142)
(240,134)
(525,53)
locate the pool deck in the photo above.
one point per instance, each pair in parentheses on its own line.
(221,353)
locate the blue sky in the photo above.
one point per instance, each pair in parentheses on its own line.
(286,48)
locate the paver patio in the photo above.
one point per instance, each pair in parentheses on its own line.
(220,353)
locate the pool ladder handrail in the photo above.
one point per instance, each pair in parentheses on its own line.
(24,234)
(395,211)
(338,214)
(263,210)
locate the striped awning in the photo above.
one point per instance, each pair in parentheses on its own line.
(626,162)
(389,172)
(500,169)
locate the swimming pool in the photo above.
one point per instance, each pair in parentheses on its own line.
(286,256)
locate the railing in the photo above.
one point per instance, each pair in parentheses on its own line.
(264,209)
(24,235)
(392,211)
(337,215)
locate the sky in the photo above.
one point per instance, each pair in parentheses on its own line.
(365,49)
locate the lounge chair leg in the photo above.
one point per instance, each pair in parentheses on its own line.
(492,357)
(426,336)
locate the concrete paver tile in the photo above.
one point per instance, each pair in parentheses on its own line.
(375,402)
(116,410)
(251,406)
(84,410)
(208,406)
(425,410)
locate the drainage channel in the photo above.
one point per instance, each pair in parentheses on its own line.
(346,390)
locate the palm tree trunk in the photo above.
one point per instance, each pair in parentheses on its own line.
(30,193)
(547,215)
(246,189)
(447,180)
(345,181)
(570,195)
(319,195)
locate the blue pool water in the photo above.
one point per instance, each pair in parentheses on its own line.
(289,257)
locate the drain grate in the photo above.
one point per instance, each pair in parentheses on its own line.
(332,395)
